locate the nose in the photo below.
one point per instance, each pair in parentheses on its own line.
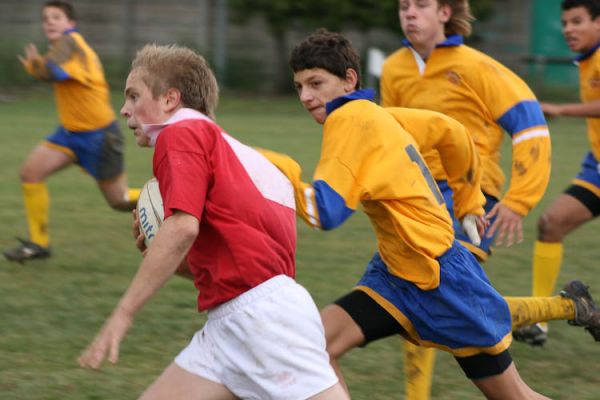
(125,112)
(305,95)
(409,11)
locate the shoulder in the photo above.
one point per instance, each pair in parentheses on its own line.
(397,56)
(487,68)
(189,135)
(63,48)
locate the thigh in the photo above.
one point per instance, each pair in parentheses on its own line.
(342,333)
(507,385)
(335,392)
(43,161)
(178,384)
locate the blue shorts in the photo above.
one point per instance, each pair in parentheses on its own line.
(464,315)
(99,152)
(483,250)
(589,175)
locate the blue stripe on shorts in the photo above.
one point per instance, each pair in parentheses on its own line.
(464,314)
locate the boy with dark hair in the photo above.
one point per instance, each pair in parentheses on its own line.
(580,202)
(421,283)
(88,134)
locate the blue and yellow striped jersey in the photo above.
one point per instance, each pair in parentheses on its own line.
(80,89)
(369,159)
(589,86)
(486,98)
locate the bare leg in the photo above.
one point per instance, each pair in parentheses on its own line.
(564,215)
(116,193)
(336,392)
(42,162)
(342,334)
(507,386)
(177,384)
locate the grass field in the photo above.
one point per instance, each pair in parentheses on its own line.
(50,310)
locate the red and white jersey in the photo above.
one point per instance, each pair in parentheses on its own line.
(245,206)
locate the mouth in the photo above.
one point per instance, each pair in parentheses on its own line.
(314,109)
(411,28)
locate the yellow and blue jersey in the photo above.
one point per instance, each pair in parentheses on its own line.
(589,84)
(369,159)
(486,98)
(424,279)
(80,88)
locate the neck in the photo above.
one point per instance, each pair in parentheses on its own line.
(424,49)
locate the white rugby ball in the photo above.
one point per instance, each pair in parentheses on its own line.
(150,210)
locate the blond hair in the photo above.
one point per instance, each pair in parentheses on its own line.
(166,67)
(460,20)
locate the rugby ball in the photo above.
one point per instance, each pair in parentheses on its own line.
(150,210)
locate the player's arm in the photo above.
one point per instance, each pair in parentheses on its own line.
(51,66)
(169,247)
(530,172)
(531,152)
(590,109)
(317,204)
(183,270)
(514,107)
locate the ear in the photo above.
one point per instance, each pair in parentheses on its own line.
(171,100)
(351,80)
(445,13)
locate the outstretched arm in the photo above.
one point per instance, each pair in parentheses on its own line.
(169,247)
(589,109)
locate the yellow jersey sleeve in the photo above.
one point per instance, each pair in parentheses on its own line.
(589,84)
(80,88)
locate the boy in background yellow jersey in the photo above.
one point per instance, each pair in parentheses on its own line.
(434,70)
(88,134)
(421,283)
(580,202)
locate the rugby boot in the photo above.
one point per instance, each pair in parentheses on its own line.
(533,335)
(26,251)
(586,313)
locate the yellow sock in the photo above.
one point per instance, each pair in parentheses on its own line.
(531,310)
(418,369)
(37,204)
(133,195)
(547,259)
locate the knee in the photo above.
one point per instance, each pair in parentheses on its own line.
(28,175)
(549,228)
(120,204)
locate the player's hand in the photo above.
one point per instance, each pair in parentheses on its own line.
(137,234)
(31,54)
(474,226)
(107,341)
(508,224)
(552,110)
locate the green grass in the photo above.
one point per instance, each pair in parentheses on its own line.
(50,310)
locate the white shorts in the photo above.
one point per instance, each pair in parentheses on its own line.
(267,343)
